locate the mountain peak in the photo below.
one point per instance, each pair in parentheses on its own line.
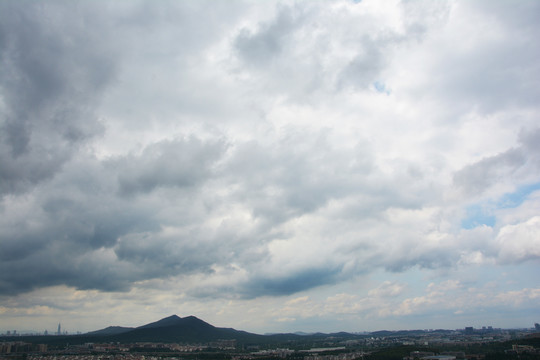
(175,320)
(194,321)
(168,321)
(172,317)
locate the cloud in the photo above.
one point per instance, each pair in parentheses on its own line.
(452,296)
(257,152)
(179,163)
(474,69)
(387,289)
(519,242)
(260,46)
(52,80)
(474,179)
(290,283)
(516,298)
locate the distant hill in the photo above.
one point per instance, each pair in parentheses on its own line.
(387,333)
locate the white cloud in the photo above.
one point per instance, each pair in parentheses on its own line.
(387,289)
(520,242)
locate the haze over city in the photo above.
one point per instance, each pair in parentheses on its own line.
(271,166)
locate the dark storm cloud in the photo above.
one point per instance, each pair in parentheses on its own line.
(179,163)
(161,255)
(62,236)
(54,67)
(56,265)
(291,283)
(263,281)
(70,234)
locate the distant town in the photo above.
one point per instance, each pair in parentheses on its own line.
(176,338)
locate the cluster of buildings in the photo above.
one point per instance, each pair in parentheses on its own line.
(128,356)
(447,355)
(46,332)
(331,348)
(466,337)
(27,351)
(523,349)
(10,347)
(342,356)
(19,347)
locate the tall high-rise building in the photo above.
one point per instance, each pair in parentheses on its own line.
(59,332)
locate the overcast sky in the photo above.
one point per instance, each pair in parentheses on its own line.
(270,166)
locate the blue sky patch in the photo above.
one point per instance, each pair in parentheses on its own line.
(512,200)
(478,215)
(483,213)
(381,87)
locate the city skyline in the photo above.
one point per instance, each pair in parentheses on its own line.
(271,166)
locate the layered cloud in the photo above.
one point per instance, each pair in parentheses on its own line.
(263,150)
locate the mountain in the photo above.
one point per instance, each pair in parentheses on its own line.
(175,329)
(183,330)
(111,330)
(168,321)
(190,329)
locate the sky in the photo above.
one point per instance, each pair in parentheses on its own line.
(271,166)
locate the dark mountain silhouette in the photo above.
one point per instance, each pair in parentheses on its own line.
(168,321)
(191,329)
(188,330)
(183,330)
(111,330)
